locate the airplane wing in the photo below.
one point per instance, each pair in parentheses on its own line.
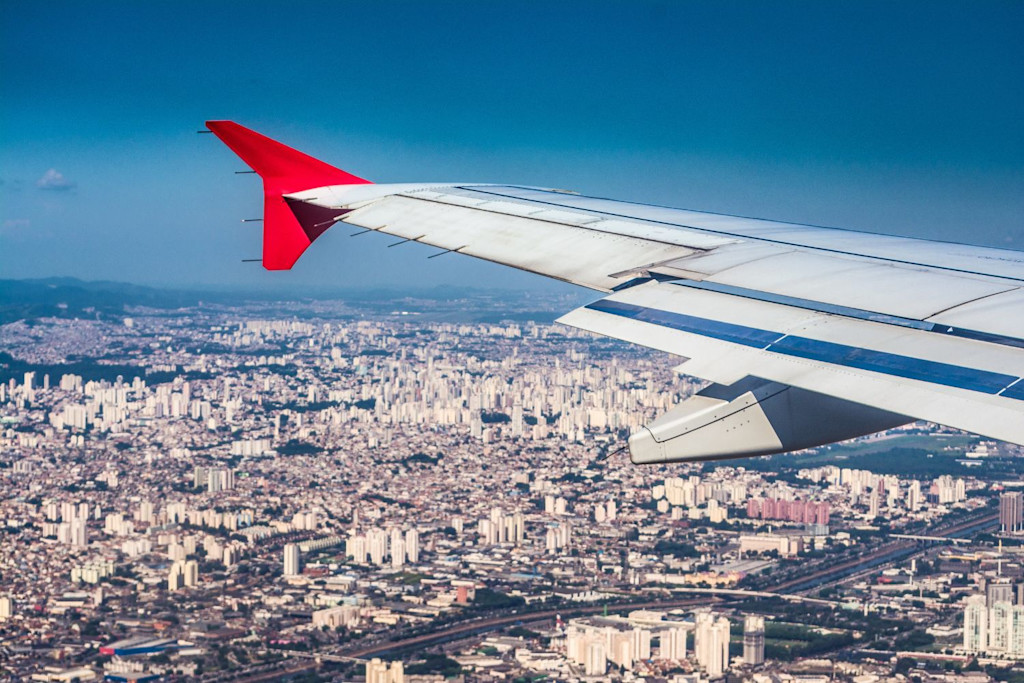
(809,335)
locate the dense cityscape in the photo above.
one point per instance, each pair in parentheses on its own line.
(435,490)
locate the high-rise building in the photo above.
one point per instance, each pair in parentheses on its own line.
(975,624)
(999,590)
(518,528)
(397,548)
(641,643)
(378,671)
(377,545)
(291,560)
(595,658)
(199,476)
(711,643)
(999,625)
(79,532)
(191,573)
(355,546)
(176,576)
(753,640)
(673,644)
(517,418)
(1011,513)
(619,648)
(1015,640)
(914,496)
(213,481)
(412,546)
(6,608)
(589,648)
(995,629)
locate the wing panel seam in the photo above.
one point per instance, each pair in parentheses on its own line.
(742,236)
(907,367)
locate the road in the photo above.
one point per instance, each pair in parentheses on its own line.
(498,622)
(895,549)
(876,558)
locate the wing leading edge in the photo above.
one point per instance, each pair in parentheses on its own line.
(809,335)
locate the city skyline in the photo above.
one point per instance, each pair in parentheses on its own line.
(232,489)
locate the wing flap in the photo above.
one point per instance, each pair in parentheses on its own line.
(960,258)
(857,283)
(997,315)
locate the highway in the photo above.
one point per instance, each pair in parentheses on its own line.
(892,550)
(789,589)
(498,622)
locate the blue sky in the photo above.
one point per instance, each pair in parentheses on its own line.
(903,118)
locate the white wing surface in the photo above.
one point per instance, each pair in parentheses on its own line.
(810,335)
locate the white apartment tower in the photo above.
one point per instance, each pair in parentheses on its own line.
(176,576)
(412,546)
(79,532)
(914,496)
(673,644)
(975,624)
(191,574)
(377,545)
(595,658)
(397,548)
(378,671)
(6,608)
(291,560)
(712,643)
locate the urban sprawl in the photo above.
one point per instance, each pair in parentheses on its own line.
(329,491)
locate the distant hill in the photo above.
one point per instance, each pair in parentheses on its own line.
(67,297)
(72,298)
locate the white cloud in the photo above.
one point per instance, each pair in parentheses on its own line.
(54,180)
(15,224)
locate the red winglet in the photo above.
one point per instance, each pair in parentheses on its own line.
(284,170)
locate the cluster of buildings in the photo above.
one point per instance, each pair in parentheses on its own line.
(807,512)
(266,485)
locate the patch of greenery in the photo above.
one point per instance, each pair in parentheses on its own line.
(434,664)
(296,447)
(675,548)
(492,599)
(410,578)
(423,458)
(522,632)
